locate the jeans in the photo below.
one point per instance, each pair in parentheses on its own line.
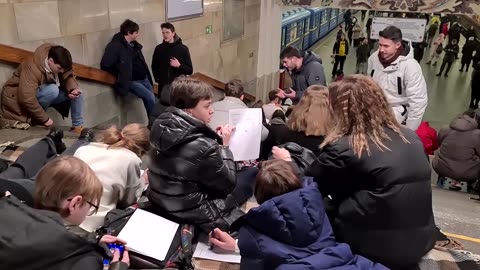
(50,94)
(338,60)
(445,63)
(144,90)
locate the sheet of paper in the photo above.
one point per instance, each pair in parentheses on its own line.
(245,141)
(149,234)
(203,251)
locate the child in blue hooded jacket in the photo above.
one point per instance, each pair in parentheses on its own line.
(290,229)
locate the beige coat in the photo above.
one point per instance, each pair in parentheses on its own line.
(19,96)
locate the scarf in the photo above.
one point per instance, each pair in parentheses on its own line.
(387,62)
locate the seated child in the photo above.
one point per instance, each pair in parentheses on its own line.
(48,236)
(290,229)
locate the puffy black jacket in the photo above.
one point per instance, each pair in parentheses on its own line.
(190,172)
(161,69)
(381,204)
(118,60)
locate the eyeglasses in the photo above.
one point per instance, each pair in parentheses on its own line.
(93,208)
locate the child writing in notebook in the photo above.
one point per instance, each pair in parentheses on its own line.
(290,227)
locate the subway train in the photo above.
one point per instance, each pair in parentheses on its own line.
(303,27)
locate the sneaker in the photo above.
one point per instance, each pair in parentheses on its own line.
(77,129)
(439,74)
(461,70)
(87,135)
(56,136)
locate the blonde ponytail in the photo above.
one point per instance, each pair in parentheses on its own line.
(134,137)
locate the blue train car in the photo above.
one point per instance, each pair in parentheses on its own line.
(333,19)
(315,18)
(296,29)
(325,22)
(340,18)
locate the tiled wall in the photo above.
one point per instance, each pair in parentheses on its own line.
(86,26)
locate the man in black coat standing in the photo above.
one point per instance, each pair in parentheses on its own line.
(124,59)
(171,58)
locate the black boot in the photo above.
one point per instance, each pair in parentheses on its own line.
(87,135)
(56,136)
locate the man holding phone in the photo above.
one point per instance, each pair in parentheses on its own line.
(171,58)
(306,70)
(41,81)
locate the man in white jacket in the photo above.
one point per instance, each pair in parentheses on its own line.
(400,76)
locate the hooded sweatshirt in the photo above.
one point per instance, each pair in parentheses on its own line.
(310,73)
(403,85)
(163,73)
(459,154)
(292,231)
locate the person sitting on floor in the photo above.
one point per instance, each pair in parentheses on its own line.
(48,236)
(191,169)
(115,158)
(41,81)
(274,104)
(458,157)
(290,229)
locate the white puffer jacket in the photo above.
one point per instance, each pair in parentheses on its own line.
(404,86)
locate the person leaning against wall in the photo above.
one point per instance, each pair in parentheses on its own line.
(124,59)
(43,80)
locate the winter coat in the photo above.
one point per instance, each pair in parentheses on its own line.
(221,113)
(161,69)
(310,73)
(34,239)
(190,173)
(381,203)
(428,136)
(292,231)
(454,33)
(432,30)
(19,96)
(467,51)
(336,47)
(451,52)
(363,52)
(357,31)
(444,29)
(459,154)
(118,60)
(403,85)
(419,50)
(437,43)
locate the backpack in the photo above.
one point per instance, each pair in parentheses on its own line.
(439,49)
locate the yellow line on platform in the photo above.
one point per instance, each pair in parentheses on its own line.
(462,237)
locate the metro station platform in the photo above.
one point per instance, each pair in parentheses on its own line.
(455,213)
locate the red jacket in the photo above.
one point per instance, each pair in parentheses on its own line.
(428,136)
(445,29)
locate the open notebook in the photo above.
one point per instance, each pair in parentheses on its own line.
(149,234)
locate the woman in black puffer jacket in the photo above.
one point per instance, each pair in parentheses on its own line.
(191,170)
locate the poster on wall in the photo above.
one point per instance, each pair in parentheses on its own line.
(423,6)
(183,9)
(412,29)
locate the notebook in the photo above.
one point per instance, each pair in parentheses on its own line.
(149,234)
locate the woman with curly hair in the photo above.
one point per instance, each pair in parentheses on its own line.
(377,177)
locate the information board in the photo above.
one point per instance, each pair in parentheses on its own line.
(182,9)
(412,29)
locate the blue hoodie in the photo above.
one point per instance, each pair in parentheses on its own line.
(292,231)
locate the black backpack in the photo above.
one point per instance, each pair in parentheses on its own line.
(439,49)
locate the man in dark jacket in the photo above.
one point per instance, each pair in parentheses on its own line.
(307,69)
(191,173)
(467,52)
(340,52)
(171,58)
(124,59)
(451,52)
(432,30)
(454,32)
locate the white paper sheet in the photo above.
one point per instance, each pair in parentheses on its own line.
(245,141)
(203,251)
(149,234)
